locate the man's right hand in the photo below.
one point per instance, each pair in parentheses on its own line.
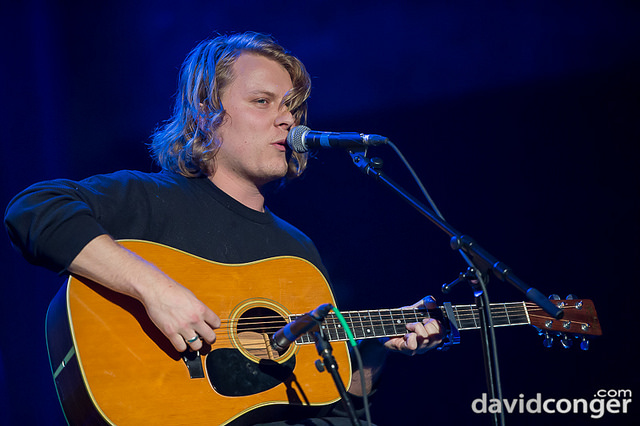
(173,308)
(182,317)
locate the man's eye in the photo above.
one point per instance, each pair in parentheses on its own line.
(262,101)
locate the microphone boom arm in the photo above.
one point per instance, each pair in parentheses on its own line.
(481,258)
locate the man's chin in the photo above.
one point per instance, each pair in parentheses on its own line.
(272,176)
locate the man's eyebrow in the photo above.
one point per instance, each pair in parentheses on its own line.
(266,93)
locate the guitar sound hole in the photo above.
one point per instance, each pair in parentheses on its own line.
(255,328)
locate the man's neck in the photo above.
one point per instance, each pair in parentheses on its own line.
(240,190)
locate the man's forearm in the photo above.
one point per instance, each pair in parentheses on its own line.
(108,263)
(374,355)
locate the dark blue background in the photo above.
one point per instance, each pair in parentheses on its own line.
(522,119)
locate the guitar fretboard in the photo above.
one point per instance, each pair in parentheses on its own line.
(392,322)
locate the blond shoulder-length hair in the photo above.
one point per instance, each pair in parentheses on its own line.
(186,143)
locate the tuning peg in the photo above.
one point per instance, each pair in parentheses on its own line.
(584,344)
(554,297)
(566,341)
(547,342)
(571,296)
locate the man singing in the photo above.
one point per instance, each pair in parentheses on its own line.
(238,98)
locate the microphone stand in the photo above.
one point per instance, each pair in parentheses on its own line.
(480,263)
(329,363)
(487,335)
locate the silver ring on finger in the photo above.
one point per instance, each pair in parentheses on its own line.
(193,339)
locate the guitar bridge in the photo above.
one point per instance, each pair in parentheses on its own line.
(193,361)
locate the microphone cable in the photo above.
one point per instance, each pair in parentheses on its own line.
(496,386)
(356,352)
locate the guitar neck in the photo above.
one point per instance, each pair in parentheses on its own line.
(392,322)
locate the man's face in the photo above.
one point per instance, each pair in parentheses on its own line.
(256,125)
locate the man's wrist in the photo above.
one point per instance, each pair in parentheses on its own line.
(372,346)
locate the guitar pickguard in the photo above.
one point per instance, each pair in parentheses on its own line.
(232,374)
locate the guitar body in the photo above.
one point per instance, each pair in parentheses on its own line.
(112,365)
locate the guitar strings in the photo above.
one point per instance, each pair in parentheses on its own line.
(468,311)
(260,326)
(385,320)
(381,318)
(377,323)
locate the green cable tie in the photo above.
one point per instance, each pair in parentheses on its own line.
(345,326)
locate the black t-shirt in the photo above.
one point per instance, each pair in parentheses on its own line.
(50,222)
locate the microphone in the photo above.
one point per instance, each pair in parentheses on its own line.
(302,139)
(292,331)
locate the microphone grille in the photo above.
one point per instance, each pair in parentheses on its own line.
(295,138)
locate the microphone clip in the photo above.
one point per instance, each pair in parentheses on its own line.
(366,164)
(306,323)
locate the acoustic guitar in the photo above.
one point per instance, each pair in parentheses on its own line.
(111,365)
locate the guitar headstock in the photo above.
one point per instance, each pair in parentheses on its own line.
(580,320)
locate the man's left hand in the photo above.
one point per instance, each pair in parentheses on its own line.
(421,336)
